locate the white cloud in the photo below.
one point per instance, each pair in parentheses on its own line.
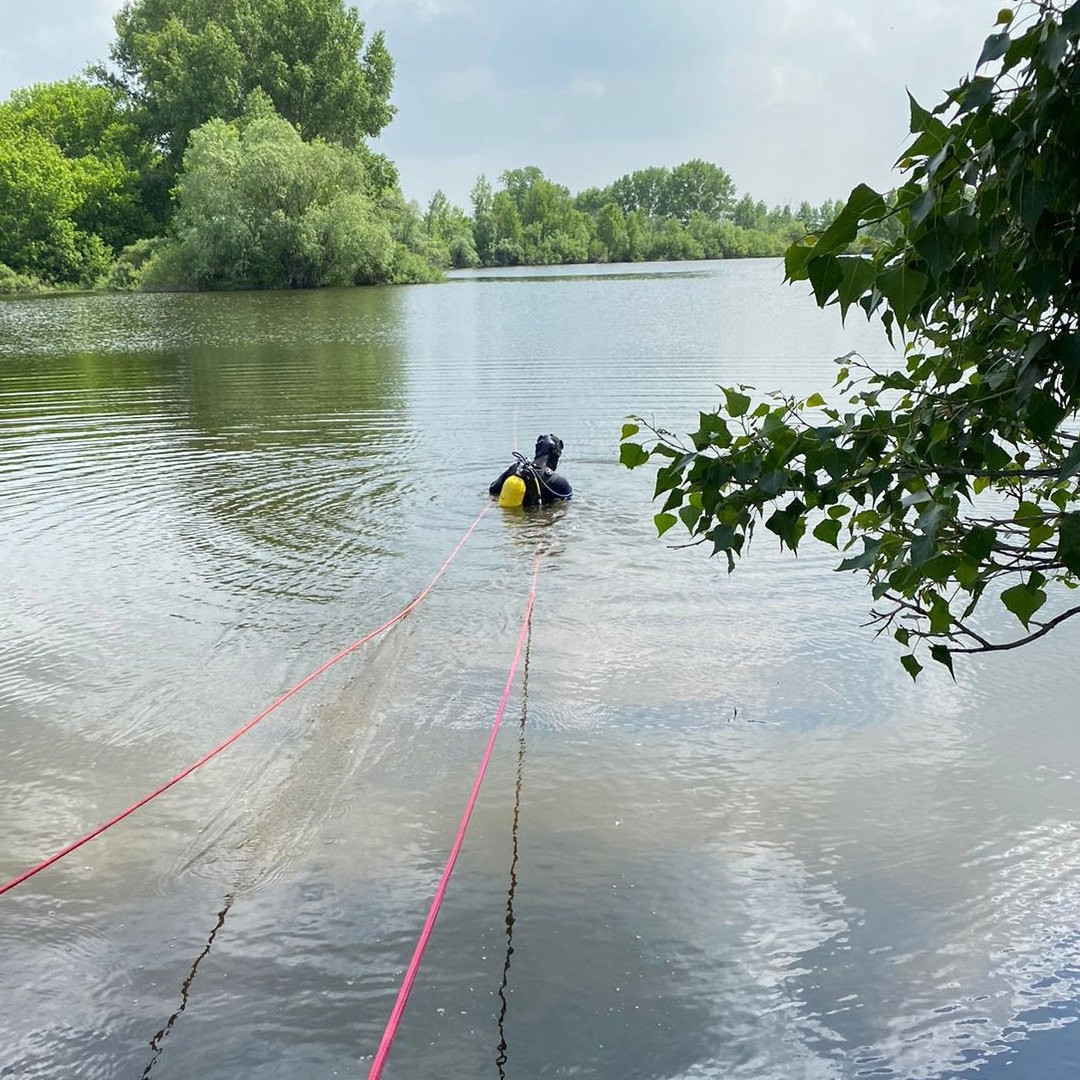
(426,9)
(791,85)
(582,86)
(552,120)
(469,83)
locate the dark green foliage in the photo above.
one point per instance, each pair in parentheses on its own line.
(12,283)
(127,272)
(695,187)
(88,171)
(258,207)
(688,212)
(953,478)
(72,166)
(533,221)
(184,62)
(449,235)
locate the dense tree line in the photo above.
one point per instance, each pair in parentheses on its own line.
(688,212)
(224,146)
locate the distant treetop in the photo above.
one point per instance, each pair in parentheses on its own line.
(184,62)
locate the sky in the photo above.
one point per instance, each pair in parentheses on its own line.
(795,99)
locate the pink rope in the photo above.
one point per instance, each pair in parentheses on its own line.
(433,913)
(251,723)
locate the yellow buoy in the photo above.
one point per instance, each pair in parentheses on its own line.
(513,491)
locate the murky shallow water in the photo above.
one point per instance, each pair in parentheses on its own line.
(746,845)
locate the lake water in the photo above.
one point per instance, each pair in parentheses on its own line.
(746,845)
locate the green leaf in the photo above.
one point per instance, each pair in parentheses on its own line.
(911,665)
(922,206)
(863,203)
(864,561)
(825,277)
(1071,465)
(1069,542)
(974,94)
(1023,601)
(994,47)
(1054,49)
(690,515)
(664,522)
(789,524)
(967,573)
(674,499)
(737,403)
(827,530)
(902,634)
(857,276)
(902,287)
(628,430)
(1033,202)
(920,117)
(1070,20)
(795,258)
(631,455)
(715,429)
(937,246)
(941,654)
(940,616)
(923,548)
(929,142)
(1038,535)
(1044,414)
(667,477)
(815,401)
(773,482)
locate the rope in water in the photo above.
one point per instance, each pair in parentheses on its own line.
(501,1056)
(433,913)
(19,879)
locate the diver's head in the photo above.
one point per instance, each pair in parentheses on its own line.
(548,449)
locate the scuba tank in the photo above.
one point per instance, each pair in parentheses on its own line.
(513,491)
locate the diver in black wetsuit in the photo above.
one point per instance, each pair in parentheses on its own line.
(530,483)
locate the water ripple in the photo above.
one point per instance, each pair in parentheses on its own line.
(748,846)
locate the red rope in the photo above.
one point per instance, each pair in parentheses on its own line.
(251,723)
(433,913)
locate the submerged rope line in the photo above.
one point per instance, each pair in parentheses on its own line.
(18,880)
(433,912)
(185,988)
(501,1050)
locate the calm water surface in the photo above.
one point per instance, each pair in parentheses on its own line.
(746,846)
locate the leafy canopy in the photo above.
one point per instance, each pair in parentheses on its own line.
(259,207)
(72,169)
(187,61)
(694,187)
(953,478)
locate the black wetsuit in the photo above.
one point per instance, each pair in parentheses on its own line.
(543,485)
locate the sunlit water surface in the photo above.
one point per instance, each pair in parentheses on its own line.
(747,846)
